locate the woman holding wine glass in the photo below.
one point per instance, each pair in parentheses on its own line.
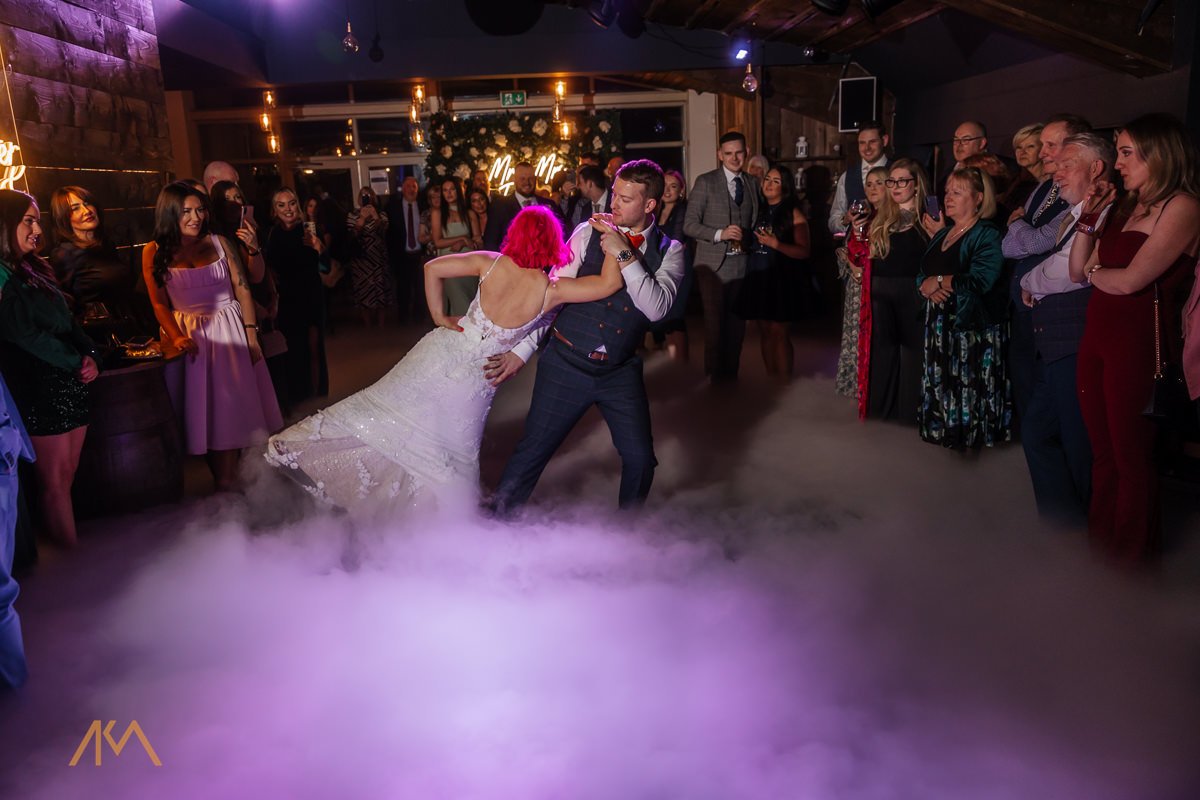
(775,291)
(852,265)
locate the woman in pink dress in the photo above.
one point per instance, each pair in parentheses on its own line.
(201,298)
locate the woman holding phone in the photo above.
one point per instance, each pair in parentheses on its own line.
(297,256)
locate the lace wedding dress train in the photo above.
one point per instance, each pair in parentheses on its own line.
(412,436)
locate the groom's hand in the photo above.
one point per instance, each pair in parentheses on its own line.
(500,368)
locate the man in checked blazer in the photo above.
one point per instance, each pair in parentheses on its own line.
(722,207)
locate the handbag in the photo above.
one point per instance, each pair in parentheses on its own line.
(1170,404)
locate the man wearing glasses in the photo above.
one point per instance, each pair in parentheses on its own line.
(872,147)
(969,138)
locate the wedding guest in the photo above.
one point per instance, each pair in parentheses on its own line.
(613,167)
(48,361)
(852,266)
(898,242)
(296,258)
(88,268)
(1002,179)
(1053,434)
(217,171)
(369,276)
(477,213)
(504,209)
(758,166)
(594,196)
(1027,147)
(970,137)
(671,331)
(721,209)
(1140,267)
(15,446)
(452,233)
(872,151)
(405,251)
(774,293)
(433,200)
(564,193)
(965,392)
(201,297)
(479,181)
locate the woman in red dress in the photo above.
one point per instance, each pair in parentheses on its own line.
(1146,251)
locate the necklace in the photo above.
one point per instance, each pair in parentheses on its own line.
(957,232)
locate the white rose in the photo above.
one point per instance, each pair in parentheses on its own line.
(483,131)
(474,151)
(564,148)
(597,143)
(604,127)
(613,149)
(500,139)
(440,169)
(447,152)
(514,126)
(490,152)
(540,127)
(527,151)
(462,172)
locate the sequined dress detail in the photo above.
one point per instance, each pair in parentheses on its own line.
(413,435)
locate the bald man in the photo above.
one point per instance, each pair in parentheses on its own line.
(969,138)
(218,171)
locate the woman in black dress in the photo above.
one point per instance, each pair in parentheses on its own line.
(671,330)
(775,291)
(898,242)
(47,360)
(294,256)
(97,282)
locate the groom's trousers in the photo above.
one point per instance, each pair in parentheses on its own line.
(567,385)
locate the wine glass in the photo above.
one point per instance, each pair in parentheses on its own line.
(764,228)
(860,209)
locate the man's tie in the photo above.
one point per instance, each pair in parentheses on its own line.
(597,208)
(739,192)
(1067,224)
(412,228)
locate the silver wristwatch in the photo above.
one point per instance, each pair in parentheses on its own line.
(625,256)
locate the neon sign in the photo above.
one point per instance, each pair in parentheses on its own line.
(501,172)
(12,172)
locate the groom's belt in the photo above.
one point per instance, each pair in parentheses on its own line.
(595,355)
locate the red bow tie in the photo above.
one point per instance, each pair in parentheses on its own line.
(636,239)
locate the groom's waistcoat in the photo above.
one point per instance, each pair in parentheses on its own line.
(614,322)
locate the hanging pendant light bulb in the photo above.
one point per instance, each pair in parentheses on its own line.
(418,95)
(269,99)
(556,113)
(750,83)
(414,113)
(264,122)
(349,41)
(418,137)
(273,144)
(564,130)
(560,90)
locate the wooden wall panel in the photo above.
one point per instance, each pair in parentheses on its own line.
(88,103)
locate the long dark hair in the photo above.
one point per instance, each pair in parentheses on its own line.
(218,219)
(459,201)
(167,213)
(60,212)
(28,267)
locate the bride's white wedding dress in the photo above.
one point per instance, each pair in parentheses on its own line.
(414,433)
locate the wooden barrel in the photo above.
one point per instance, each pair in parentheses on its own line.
(133,454)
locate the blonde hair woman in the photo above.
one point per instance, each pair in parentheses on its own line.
(897,345)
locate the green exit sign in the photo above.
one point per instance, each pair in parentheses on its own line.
(512,99)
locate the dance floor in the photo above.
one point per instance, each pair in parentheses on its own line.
(810,608)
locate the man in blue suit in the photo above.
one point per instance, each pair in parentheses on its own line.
(591,356)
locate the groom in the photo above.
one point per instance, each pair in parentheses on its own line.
(591,358)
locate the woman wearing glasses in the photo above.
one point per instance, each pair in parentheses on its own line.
(965,392)
(897,332)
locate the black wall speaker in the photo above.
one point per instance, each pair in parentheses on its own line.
(856,103)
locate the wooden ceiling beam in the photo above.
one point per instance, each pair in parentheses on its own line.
(1104,32)
(746,16)
(796,20)
(704,8)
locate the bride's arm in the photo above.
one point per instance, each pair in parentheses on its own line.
(584,290)
(455,265)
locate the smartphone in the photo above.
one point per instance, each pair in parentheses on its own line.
(933,207)
(310,228)
(247,214)
(365,200)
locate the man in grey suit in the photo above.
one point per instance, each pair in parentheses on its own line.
(721,209)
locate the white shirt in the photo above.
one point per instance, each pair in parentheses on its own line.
(599,205)
(729,176)
(840,203)
(1053,275)
(653,295)
(524,201)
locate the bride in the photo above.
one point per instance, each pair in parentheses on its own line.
(415,433)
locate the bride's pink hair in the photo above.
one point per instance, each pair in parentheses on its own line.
(535,240)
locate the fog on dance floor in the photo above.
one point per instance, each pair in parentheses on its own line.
(810,608)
